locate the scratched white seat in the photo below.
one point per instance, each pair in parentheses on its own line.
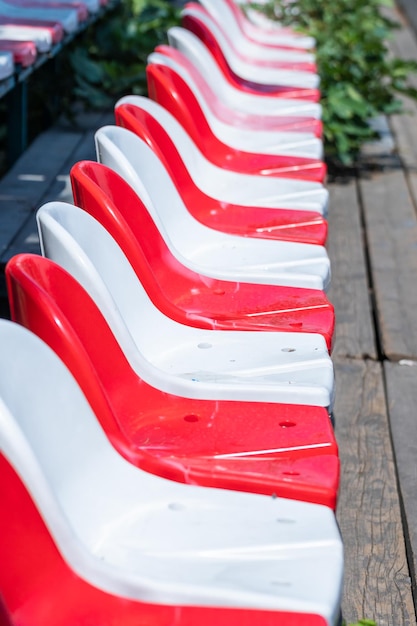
(285,143)
(67,17)
(210,252)
(179,359)
(135,535)
(223,14)
(194,49)
(6,65)
(249,71)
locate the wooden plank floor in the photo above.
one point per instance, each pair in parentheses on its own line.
(41,175)
(373,250)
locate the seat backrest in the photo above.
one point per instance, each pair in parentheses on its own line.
(80,244)
(46,299)
(230,14)
(215,42)
(148,128)
(126,153)
(260,28)
(108,198)
(224,17)
(186,104)
(297,85)
(50,435)
(192,47)
(293,70)
(171,57)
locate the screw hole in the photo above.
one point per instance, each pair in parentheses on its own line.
(176,506)
(191,418)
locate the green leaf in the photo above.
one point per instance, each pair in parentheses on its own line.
(358,78)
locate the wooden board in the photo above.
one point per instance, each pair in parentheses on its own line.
(349,291)
(410,10)
(391,226)
(404,126)
(29,179)
(59,189)
(377,583)
(401,383)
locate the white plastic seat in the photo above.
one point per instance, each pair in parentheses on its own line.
(221,13)
(286,143)
(194,49)
(67,17)
(290,368)
(139,536)
(256,73)
(41,37)
(197,246)
(6,65)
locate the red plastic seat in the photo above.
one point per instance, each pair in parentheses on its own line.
(229,115)
(170,90)
(199,29)
(24,52)
(179,292)
(288,450)
(284,224)
(55,28)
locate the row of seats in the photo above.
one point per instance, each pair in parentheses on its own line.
(29,28)
(168,455)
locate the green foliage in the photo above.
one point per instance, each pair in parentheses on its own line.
(111,61)
(359,79)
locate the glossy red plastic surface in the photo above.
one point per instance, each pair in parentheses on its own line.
(264,223)
(233,116)
(56,30)
(170,90)
(179,292)
(40,589)
(24,52)
(199,29)
(266,448)
(301,66)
